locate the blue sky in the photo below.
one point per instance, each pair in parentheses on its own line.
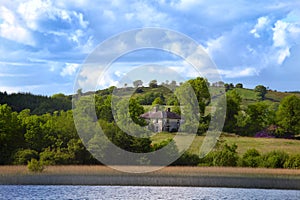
(44,42)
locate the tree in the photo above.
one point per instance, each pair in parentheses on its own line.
(137,83)
(135,110)
(261,91)
(233,101)
(153,84)
(11,134)
(200,86)
(239,85)
(288,115)
(157,101)
(229,86)
(256,117)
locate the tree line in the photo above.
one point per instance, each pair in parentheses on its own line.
(42,128)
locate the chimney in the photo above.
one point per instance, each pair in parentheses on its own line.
(156,108)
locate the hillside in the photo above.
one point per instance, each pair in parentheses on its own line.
(36,103)
(145,95)
(250,96)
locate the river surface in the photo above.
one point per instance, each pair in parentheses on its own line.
(139,193)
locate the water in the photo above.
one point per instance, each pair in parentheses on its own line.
(139,193)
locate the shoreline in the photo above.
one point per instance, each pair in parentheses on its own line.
(258,178)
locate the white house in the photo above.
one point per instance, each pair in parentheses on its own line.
(162,120)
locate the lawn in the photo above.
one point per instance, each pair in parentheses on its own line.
(244,143)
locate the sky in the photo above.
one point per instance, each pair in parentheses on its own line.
(44,43)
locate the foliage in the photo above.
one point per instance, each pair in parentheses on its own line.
(36,103)
(11,133)
(233,100)
(157,101)
(35,166)
(239,85)
(40,127)
(227,156)
(256,117)
(148,98)
(153,84)
(137,83)
(288,115)
(22,157)
(293,162)
(261,91)
(187,159)
(190,107)
(200,87)
(251,158)
(274,159)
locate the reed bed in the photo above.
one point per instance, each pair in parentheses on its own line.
(167,171)
(168,176)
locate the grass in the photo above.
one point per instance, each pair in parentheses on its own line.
(166,171)
(168,176)
(263,145)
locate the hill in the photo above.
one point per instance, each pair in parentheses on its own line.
(39,104)
(36,103)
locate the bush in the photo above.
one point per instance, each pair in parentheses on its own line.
(35,166)
(187,159)
(56,157)
(22,157)
(227,156)
(251,158)
(274,159)
(47,157)
(207,160)
(293,162)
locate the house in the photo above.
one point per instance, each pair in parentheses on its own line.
(162,120)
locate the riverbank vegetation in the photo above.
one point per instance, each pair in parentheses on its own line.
(261,127)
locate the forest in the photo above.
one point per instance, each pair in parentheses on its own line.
(41,129)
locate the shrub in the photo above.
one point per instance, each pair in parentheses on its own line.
(35,166)
(227,156)
(251,158)
(274,159)
(187,159)
(47,157)
(207,160)
(293,162)
(22,157)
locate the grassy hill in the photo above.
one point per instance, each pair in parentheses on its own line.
(248,95)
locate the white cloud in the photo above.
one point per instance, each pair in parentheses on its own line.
(146,14)
(84,24)
(279,35)
(285,36)
(11,28)
(69,69)
(261,23)
(31,11)
(35,10)
(119,73)
(238,72)
(213,45)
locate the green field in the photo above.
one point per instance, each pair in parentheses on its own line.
(263,145)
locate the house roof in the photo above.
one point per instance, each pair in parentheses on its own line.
(160,115)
